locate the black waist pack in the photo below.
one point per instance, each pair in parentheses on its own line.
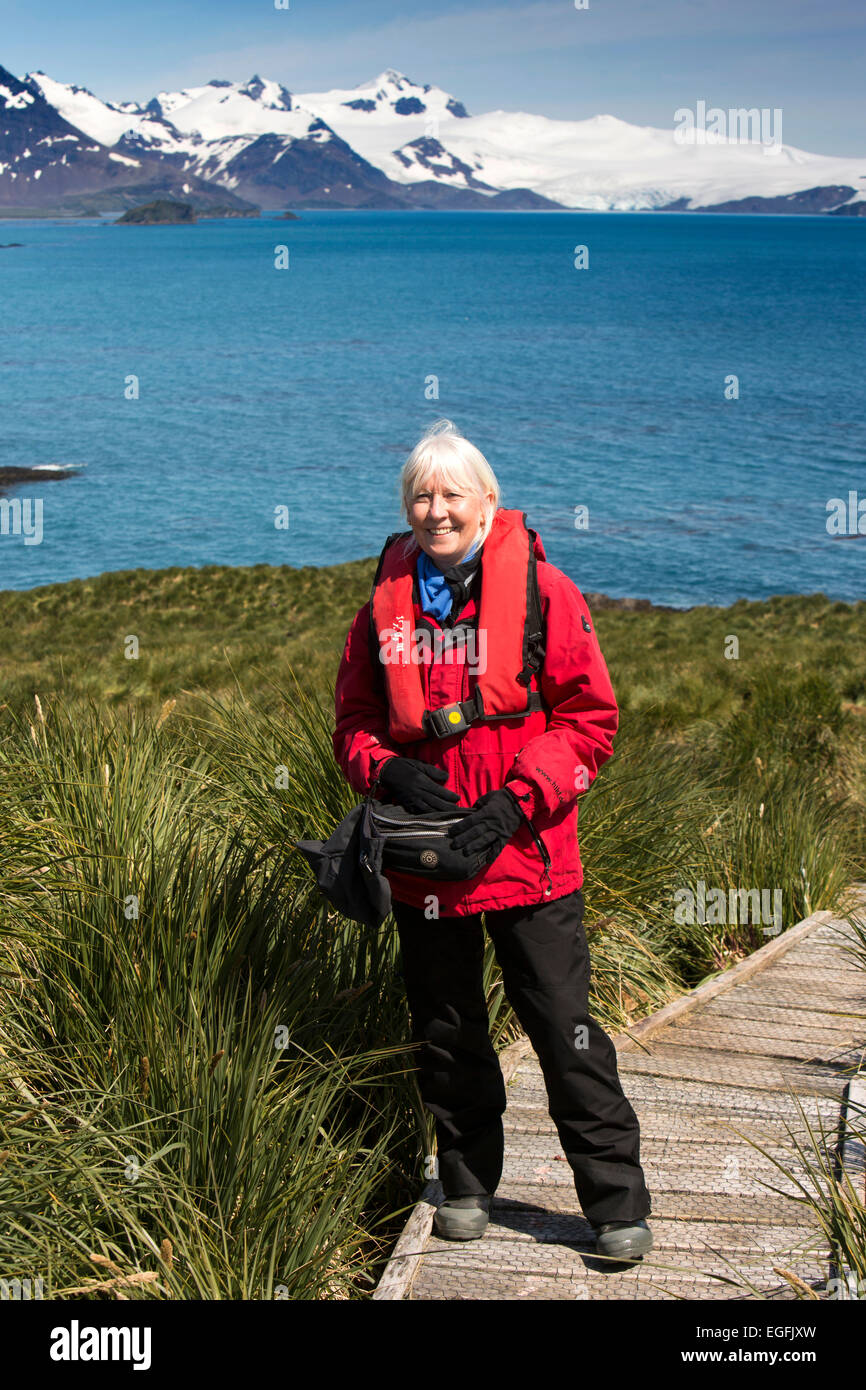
(375,836)
(410,843)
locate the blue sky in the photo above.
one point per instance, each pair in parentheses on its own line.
(636,59)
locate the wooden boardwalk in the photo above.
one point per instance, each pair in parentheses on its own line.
(731,1055)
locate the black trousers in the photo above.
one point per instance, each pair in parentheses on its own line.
(544,958)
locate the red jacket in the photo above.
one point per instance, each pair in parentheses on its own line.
(553,754)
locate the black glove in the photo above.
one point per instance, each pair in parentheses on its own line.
(415,785)
(494,819)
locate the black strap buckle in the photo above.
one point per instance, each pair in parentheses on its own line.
(534,701)
(447,720)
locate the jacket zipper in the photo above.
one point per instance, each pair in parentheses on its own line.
(542,847)
(545,856)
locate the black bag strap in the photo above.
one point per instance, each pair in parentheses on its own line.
(533,632)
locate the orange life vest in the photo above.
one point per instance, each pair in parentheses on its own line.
(510,617)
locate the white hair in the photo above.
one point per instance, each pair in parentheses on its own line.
(445,455)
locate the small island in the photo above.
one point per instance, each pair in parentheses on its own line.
(163,211)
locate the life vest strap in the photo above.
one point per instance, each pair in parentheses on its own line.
(456,718)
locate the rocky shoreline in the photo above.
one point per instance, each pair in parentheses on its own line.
(600,602)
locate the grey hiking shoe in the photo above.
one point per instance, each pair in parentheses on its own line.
(462,1218)
(623,1240)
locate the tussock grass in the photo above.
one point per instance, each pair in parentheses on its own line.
(186,1052)
(159,934)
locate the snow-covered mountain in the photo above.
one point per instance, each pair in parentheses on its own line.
(414,133)
(259,142)
(391,142)
(408,131)
(48,162)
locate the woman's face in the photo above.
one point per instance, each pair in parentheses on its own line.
(445,519)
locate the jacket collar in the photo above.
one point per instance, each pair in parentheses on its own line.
(459,578)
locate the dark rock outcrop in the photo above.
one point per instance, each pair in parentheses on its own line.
(206,199)
(163,211)
(12,475)
(808,200)
(431,154)
(319,170)
(409,106)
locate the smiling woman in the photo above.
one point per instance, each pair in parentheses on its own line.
(514,738)
(450,495)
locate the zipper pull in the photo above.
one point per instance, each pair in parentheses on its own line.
(518,797)
(542,848)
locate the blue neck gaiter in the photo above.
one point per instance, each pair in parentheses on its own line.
(436,596)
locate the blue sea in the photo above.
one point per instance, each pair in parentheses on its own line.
(306,388)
